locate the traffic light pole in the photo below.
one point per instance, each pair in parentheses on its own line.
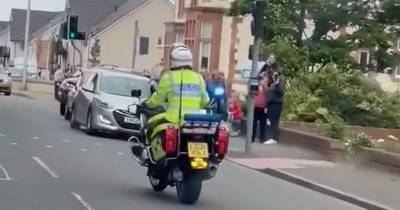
(257,30)
(250,99)
(26,47)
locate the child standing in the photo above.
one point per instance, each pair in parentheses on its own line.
(236,113)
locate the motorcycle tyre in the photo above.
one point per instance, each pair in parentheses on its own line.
(189,190)
(161,185)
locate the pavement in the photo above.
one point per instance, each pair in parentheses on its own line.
(369,187)
(32,95)
(47,165)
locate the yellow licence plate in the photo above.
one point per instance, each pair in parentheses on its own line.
(197,150)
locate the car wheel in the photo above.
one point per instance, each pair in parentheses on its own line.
(7,94)
(89,130)
(72,121)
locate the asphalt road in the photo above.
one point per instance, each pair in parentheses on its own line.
(46,165)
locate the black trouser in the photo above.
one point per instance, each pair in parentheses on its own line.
(274,115)
(259,117)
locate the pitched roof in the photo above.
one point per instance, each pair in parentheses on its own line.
(18,20)
(91,12)
(53,22)
(118,14)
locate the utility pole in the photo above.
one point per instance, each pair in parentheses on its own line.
(135,44)
(257,30)
(26,46)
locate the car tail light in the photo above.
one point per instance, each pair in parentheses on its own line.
(222,141)
(171,135)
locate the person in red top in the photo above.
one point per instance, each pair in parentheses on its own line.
(260,110)
(236,113)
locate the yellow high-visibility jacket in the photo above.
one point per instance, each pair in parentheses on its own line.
(194,94)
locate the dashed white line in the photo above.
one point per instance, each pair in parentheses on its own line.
(83,150)
(66,141)
(48,146)
(43,165)
(7,177)
(83,202)
(98,144)
(35,137)
(120,153)
(14,144)
(2,135)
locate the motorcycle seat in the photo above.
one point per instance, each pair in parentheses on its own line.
(209,118)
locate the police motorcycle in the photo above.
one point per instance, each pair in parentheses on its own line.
(181,156)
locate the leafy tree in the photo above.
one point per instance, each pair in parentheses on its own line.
(373,25)
(95,53)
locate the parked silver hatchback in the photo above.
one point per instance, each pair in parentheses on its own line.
(101,103)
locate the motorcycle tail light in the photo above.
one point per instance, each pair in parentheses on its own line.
(171,138)
(222,141)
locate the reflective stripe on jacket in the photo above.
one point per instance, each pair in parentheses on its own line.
(194,94)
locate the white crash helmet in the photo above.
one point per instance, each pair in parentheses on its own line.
(180,56)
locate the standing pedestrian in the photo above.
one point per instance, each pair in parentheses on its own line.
(275,105)
(236,113)
(260,111)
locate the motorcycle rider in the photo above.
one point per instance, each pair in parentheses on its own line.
(181,89)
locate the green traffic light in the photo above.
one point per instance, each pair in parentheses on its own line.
(72,35)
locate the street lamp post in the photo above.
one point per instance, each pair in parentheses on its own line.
(26,47)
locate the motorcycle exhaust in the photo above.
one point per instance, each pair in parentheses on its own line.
(133,141)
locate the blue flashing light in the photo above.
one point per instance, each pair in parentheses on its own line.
(219,91)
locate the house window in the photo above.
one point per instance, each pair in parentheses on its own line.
(181,8)
(179,37)
(193,3)
(204,59)
(363,60)
(397,72)
(206,30)
(160,41)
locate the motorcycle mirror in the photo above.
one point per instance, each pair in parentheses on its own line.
(136,93)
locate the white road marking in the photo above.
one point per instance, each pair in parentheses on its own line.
(43,165)
(2,134)
(35,137)
(83,150)
(83,202)
(120,153)
(98,144)
(7,177)
(234,149)
(48,146)
(66,141)
(14,143)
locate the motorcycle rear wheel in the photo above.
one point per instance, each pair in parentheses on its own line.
(158,185)
(189,190)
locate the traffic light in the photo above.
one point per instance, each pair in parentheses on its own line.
(73,27)
(257,28)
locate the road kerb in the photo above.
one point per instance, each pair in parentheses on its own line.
(21,94)
(323,189)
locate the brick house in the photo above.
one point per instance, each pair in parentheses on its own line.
(221,43)
(217,42)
